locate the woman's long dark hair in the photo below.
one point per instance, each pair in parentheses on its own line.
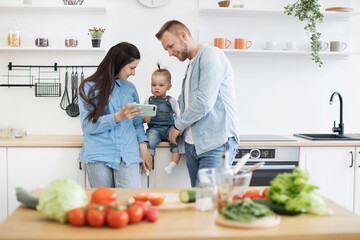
(117,57)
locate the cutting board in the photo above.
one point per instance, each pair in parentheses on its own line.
(172,203)
(340,9)
(265,222)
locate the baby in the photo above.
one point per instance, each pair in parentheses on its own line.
(167,109)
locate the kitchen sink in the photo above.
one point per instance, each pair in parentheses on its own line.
(329,136)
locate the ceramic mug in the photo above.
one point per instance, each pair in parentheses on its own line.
(322,46)
(290,45)
(242,43)
(271,45)
(222,43)
(337,46)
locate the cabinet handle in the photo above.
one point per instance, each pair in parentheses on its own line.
(352,159)
(359,160)
(80,166)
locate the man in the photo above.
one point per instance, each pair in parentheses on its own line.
(208,119)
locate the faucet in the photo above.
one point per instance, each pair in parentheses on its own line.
(340,128)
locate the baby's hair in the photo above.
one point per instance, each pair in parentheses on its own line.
(162,71)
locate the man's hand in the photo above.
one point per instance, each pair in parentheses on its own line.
(174,133)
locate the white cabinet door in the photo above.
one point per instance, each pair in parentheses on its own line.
(158,178)
(37,167)
(357,183)
(332,169)
(3,184)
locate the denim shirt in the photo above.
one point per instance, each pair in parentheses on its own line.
(212,104)
(107,141)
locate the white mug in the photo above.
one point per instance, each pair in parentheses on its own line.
(271,45)
(290,45)
(337,46)
(322,46)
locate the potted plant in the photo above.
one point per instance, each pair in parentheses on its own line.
(309,11)
(96,35)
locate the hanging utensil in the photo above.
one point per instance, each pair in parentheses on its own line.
(65,101)
(73,109)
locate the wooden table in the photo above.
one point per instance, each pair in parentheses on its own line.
(190,224)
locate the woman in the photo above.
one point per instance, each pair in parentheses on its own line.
(114,139)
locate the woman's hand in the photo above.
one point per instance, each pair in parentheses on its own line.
(146,157)
(126,113)
(146,119)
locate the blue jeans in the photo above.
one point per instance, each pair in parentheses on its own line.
(210,159)
(100,175)
(156,134)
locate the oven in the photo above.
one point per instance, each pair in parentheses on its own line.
(277,160)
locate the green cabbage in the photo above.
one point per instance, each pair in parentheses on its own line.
(296,192)
(60,197)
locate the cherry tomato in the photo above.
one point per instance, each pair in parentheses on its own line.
(236,197)
(95,218)
(76,217)
(143,206)
(253,193)
(143,197)
(117,218)
(103,196)
(152,214)
(136,213)
(156,200)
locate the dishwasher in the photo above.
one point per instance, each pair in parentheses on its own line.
(277,160)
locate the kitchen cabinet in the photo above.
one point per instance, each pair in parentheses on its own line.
(332,170)
(3,184)
(37,167)
(158,178)
(357,183)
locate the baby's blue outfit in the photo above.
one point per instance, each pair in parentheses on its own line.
(161,124)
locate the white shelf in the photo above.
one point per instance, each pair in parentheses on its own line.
(98,9)
(257,12)
(249,52)
(53,50)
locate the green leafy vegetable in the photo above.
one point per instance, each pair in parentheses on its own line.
(297,193)
(59,197)
(245,210)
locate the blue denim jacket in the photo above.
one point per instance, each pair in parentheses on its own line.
(212,104)
(107,141)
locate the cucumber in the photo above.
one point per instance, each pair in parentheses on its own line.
(26,198)
(276,207)
(187,196)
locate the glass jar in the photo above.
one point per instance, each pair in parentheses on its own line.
(14,39)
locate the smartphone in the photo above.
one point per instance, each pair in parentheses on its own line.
(147,109)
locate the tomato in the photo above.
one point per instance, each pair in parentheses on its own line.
(253,193)
(264,193)
(76,217)
(152,214)
(236,197)
(103,196)
(117,218)
(156,200)
(95,218)
(136,213)
(143,197)
(143,206)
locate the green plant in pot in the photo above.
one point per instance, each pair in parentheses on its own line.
(309,11)
(96,35)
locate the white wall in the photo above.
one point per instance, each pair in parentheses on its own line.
(276,94)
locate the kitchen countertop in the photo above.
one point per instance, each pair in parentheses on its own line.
(76,141)
(27,223)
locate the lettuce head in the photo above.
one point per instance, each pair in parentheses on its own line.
(60,197)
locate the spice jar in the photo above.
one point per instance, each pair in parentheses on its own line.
(14,39)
